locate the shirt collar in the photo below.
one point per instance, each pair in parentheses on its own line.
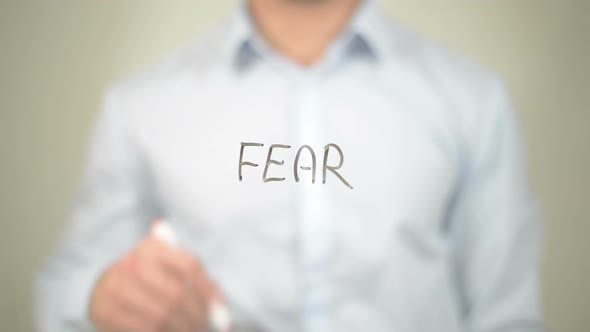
(370,25)
(366,35)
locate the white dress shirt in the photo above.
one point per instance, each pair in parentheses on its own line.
(439,231)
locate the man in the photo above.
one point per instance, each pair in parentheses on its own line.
(324,169)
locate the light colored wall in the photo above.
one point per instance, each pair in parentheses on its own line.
(56,58)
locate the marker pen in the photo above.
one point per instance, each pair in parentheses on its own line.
(218,314)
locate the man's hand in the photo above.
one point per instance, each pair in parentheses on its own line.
(155,287)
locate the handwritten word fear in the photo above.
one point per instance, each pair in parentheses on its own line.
(296,166)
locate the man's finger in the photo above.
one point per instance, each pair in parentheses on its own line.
(191,316)
(197,276)
(157,281)
(141,304)
(180,265)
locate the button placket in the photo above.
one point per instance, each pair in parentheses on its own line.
(315,242)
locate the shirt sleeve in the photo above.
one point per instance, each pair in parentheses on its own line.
(496,227)
(110,215)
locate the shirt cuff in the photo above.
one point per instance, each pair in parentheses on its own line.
(78,300)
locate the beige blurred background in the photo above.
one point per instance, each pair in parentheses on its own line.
(57,57)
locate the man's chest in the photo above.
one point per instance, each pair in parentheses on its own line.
(296,149)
